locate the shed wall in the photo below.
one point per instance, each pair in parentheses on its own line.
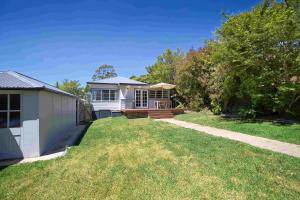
(57,116)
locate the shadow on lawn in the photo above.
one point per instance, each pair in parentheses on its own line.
(79,139)
(274,120)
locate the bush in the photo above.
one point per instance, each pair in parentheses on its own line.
(247,113)
(215,107)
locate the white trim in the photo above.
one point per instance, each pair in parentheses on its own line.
(141,98)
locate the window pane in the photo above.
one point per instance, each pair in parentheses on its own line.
(3,119)
(14,102)
(165,94)
(145,98)
(14,119)
(98,95)
(113,95)
(152,94)
(3,101)
(94,95)
(105,95)
(158,94)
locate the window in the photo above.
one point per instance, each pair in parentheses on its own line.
(105,95)
(98,95)
(158,94)
(112,95)
(165,94)
(10,110)
(152,94)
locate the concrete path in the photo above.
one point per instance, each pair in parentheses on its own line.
(273,145)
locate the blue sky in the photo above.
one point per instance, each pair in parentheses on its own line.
(55,40)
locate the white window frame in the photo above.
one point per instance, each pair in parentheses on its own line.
(94,96)
(162,94)
(8,110)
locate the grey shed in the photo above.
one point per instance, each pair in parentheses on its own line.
(34,115)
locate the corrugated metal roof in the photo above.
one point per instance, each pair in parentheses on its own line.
(15,80)
(118,80)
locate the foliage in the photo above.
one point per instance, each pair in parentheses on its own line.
(73,87)
(247,113)
(257,59)
(104,71)
(215,107)
(164,69)
(146,159)
(193,77)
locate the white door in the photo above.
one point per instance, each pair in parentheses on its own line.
(141,98)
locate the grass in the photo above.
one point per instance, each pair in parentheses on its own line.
(144,159)
(283,132)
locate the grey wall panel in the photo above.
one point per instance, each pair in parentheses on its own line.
(57,117)
(30,124)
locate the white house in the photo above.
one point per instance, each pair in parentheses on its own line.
(112,96)
(33,115)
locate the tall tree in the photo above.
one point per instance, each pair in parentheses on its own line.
(104,71)
(193,75)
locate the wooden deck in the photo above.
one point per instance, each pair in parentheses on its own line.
(152,113)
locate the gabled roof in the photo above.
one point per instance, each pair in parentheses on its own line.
(15,80)
(117,80)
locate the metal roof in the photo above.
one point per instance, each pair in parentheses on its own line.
(117,80)
(15,80)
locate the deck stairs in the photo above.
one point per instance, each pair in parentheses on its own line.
(160,114)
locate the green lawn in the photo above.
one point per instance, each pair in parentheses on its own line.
(286,133)
(144,159)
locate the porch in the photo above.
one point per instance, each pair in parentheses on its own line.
(152,112)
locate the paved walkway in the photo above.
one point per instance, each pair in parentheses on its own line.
(273,145)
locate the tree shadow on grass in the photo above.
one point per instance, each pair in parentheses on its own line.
(274,120)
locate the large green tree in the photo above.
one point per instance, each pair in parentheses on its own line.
(257,59)
(104,71)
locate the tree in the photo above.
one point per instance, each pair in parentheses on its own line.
(258,60)
(104,71)
(164,69)
(72,87)
(193,74)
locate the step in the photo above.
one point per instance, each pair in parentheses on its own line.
(161,116)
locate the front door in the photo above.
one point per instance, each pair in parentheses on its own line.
(141,98)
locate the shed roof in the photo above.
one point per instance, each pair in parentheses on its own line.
(15,80)
(118,80)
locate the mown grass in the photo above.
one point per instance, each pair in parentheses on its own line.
(283,132)
(144,159)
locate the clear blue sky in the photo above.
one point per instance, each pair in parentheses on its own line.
(53,40)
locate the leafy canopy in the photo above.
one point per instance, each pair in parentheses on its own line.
(104,71)
(164,69)
(73,87)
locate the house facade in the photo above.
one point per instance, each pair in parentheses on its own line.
(119,93)
(34,116)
